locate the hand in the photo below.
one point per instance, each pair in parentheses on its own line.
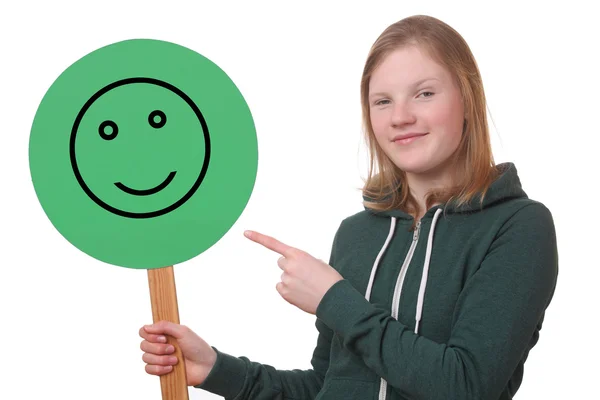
(199,357)
(305,279)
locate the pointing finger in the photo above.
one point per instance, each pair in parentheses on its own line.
(270,243)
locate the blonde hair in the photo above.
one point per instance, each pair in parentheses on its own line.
(473,160)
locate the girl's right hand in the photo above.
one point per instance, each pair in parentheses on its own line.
(199,357)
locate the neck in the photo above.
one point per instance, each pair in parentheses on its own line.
(422,183)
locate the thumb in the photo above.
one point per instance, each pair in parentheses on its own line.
(165,327)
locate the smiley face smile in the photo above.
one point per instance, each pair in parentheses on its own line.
(146,192)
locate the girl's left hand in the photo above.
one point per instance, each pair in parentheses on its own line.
(305,279)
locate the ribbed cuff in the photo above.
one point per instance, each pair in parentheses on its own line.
(342,306)
(227,376)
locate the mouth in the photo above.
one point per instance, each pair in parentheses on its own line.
(409,138)
(146,192)
(399,138)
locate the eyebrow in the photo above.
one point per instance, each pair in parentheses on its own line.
(414,85)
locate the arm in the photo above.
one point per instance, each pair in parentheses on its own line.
(238,378)
(496,318)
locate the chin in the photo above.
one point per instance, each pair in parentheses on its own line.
(414,166)
(426,169)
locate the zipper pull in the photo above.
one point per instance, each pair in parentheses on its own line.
(416,234)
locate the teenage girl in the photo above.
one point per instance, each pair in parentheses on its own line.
(438,288)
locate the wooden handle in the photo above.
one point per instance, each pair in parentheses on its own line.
(164,308)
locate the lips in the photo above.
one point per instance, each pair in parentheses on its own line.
(407,136)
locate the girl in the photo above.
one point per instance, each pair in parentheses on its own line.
(438,288)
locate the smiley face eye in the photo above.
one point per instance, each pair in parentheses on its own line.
(157,119)
(108,130)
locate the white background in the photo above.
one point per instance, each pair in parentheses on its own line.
(69,323)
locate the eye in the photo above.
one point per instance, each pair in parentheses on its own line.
(381,102)
(108,130)
(157,119)
(431,93)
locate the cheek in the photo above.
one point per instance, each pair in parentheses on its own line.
(448,118)
(378,122)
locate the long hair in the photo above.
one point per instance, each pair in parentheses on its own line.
(473,162)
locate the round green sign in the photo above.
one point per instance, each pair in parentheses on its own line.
(143,154)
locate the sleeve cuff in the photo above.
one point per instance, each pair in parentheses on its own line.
(342,306)
(227,376)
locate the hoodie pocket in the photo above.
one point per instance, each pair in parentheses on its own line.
(347,388)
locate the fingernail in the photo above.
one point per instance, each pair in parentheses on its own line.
(162,339)
(170,349)
(173,360)
(247,234)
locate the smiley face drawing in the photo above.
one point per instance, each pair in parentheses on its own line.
(129,128)
(143,153)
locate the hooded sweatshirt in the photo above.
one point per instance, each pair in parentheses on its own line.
(449,310)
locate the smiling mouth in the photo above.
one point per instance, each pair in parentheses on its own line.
(146,192)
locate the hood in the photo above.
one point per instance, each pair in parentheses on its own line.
(506,187)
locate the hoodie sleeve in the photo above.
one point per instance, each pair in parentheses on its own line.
(496,321)
(238,378)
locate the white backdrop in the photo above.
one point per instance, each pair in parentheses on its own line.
(69,323)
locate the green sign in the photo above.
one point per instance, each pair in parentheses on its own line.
(143,154)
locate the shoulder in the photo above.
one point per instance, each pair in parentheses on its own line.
(361,224)
(526,211)
(503,217)
(358,218)
(527,233)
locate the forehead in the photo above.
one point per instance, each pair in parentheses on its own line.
(405,67)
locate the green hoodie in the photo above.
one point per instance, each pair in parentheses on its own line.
(449,311)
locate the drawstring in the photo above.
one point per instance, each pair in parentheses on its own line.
(425,270)
(425,265)
(376,264)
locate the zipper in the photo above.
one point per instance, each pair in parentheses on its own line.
(398,292)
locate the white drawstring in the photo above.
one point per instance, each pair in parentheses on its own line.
(425,271)
(376,264)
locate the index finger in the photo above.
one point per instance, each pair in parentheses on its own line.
(270,243)
(152,337)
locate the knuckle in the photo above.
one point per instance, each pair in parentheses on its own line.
(282,290)
(162,324)
(299,253)
(292,268)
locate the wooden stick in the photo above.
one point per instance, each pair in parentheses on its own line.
(164,308)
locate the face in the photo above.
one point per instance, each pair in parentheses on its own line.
(139,148)
(416,111)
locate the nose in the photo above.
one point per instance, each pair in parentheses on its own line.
(402,114)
